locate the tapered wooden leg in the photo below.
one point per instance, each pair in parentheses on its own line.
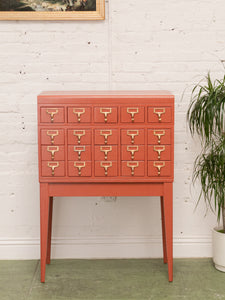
(49,231)
(163,231)
(168,217)
(44,215)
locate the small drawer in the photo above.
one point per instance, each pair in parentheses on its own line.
(79,114)
(106,152)
(133,152)
(79,168)
(159,114)
(79,137)
(106,137)
(52,153)
(132,136)
(106,168)
(159,136)
(79,152)
(52,137)
(105,114)
(52,115)
(132,114)
(133,168)
(159,168)
(159,152)
(53,168)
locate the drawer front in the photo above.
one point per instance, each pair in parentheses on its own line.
(159,136)
(52,115)
(132,114)
(52,137)
(159,152)
(106,168)
(79,114)
(53,168)
(79,168)
(106,152)
(52,153)
(132,136)
(105,114)
(159,168)
(79,137)
(132,152)
(132,168)
(159,114)
(79,152)
(106,137)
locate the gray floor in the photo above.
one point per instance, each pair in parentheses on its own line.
(111,279)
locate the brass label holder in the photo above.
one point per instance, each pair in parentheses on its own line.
(52,150)
(132,134)
(79,165)
(159,112)
(159,134)
(132,165)
(159,165)
(52,134)
(106,134)
(53,165)
(132,111)
(78,112)
(132,150)
(106,165)
(106,150)
(79,134)
(105,112)
(52,112)
(159,149)
(79,150)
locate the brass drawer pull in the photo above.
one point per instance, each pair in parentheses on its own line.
(79,134)
(106,165)
(159,149)
(79,149)
(52,112)
(159,134)
(53,165)
(105,111)
(106,133)
(132,111)
(159,112)
(79,165)
(78,112)
(132,165)
(52,134)
(132,134)
(53,149)
(159,165)
(106,149)
(132,149)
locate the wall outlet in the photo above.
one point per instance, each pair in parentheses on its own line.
(109,199)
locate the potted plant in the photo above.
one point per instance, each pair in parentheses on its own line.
(206,118)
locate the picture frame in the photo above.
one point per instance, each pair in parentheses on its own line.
(62,12)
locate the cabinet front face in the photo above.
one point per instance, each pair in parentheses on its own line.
(119,140)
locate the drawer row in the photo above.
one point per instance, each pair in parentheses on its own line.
(105,136)
(128,152)
(106,114)
(106,168)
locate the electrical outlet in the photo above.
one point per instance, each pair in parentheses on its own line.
(109,199)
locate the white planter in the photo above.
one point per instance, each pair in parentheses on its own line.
(218,245)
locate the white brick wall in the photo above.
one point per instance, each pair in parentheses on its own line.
(141,45)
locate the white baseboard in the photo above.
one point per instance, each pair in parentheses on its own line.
(102,247)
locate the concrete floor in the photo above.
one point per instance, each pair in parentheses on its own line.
(111,279)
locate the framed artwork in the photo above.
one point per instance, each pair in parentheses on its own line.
(52,9)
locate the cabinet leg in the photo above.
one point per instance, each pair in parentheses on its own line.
(163,231)
(44,214)
(168,219)
(48,259)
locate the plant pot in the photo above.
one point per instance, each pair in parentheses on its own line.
(218,245)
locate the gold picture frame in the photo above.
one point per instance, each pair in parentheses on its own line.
(98,14)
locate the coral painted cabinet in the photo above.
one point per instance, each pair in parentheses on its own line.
(106,144)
